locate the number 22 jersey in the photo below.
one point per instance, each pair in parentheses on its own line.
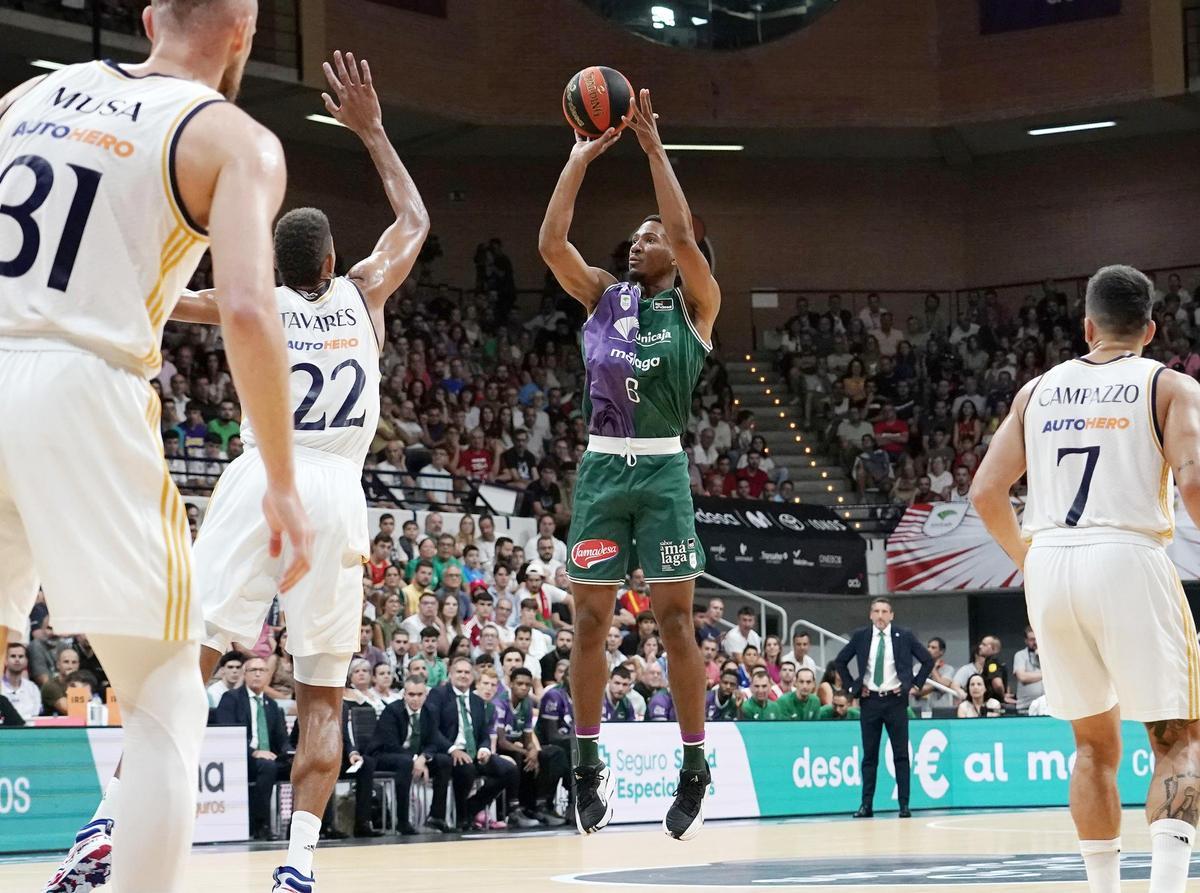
(1093,449)
(95,244)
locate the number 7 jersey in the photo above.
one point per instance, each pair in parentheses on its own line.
(95,244)
(1093,448)
(333,353)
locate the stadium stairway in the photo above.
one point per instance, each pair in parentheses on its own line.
(757,386)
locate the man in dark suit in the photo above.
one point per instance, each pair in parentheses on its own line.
(266,739)
(462,739)
(404,745)
(884,678)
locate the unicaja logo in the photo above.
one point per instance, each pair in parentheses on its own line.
(589,552)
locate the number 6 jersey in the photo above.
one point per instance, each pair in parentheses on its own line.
(1093,448)
(95,244)
(333,351)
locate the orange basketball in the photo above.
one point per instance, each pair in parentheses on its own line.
(595,99)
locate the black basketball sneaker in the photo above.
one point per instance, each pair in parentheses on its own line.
(593,797)
(685,818)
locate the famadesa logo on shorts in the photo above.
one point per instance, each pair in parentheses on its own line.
(589,552)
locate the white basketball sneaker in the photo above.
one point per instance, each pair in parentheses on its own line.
(88,863)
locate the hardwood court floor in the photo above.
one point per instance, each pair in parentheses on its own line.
(1027,852)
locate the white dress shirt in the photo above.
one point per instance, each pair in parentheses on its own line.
(806,662)
(891,681)
(25,696)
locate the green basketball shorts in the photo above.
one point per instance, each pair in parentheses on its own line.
(628,516)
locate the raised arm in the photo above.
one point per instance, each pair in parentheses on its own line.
(582,282)
(357,107)
(198,307)
(700,289)
(1002,466)
(242,164)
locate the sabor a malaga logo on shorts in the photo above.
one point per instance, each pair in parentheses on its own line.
(589,552)
(674,555)
(873,872)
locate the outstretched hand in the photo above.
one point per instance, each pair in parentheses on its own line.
(357,105)
(642,120)
(590,149)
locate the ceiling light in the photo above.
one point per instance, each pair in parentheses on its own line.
(697,21)
(662,16)
(1071,128)
(702,147)
(324,119)
(47,64)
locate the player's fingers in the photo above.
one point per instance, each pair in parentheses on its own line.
(352,69)
(330,105)
(275,544)
(649,105)
(334,83)
(339,65)
(366,71)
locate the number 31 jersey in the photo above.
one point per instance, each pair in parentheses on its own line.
(95,244)
(333,352)
(1094,452)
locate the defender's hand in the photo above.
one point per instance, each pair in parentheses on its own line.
(589,150)
(357,105)
(643,122)
(285,515)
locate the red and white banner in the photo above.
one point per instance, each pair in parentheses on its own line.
(944,546)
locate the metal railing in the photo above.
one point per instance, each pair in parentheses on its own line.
(763,604)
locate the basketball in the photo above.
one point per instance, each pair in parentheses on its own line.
(595,99)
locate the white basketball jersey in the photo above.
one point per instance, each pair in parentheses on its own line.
(95,244)
(333,351)
(1094,450)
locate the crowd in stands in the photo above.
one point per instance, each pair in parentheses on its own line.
(909,406)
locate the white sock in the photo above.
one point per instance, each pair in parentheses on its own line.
(302,841)
(106,809)
(1102,859)
(1170,854)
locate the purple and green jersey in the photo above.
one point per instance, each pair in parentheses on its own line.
(643,357)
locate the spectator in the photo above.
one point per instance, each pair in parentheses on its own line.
(968,429)
(801,642)
(225,425)
(872,469)
(380,559)
(404,744)
(704,454)
(850,432)
(22,694)
(444,558)
(399,653)
(753,475)
(1027,669)
(517,463)
(482,602)
(722,433)
(978,703)
(421,586)
(723,702)
(563,640)
(759,705)
(743,634)
(541,766)
(616,705)
(633,599)
(961,490)
(546,528)
(802,702)
(772,657)
(924,492)
(460,721)
(787,680)
(54,692)
(386,624)
(712,628)
(367,651)
(230,676)
(452,587)
(940,480)
(544,497)
(891,433)
(942,673)
(838,709)
(266,741)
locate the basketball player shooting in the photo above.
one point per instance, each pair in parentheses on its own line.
(644,345)
(1101,438)
(335,329)
(107,233)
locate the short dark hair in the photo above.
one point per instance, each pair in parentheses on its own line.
(745,611)
(1119,299)
(302,239)
(481,595)
(523,628)
(386,516)
(430,632)
(520,672)
(424,562)
(940,641)
(380,538)
(646,615)
(883,598)
(86,677)
(511,649)
(21,645)
(230,656)
(620,670)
